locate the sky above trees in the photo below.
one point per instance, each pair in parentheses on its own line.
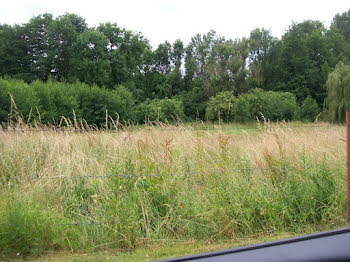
(161,20)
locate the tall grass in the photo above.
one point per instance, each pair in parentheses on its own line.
(101,190)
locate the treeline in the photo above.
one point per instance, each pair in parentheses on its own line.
(111,68)
(57,102)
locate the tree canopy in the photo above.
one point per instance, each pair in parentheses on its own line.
(338,87)
(65,49)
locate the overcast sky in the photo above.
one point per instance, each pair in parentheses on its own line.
(161,20)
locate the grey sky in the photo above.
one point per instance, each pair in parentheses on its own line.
(172,19)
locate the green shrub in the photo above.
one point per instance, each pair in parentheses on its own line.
(309,109)
(56,100)
(242,109)
(5,102)
(160,110)
(280,106)
(121,101)
(25,100)
(221,107)
(257,103)
(194,102)
(93,102)
(271,105)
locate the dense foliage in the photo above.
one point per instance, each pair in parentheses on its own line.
(53,102)
(338,99)
(253,105)
(48,50)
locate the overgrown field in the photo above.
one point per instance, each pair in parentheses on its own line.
(82,192)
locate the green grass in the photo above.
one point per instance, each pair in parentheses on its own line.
(167,249)
(138,192)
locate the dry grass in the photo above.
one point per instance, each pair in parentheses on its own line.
(137,186)
(170,149)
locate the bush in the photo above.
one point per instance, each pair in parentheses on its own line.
(24,97)
(280,106)
(258,100)
(256,103)
(221,107)
(271,105)
(5,102)
(242,109)
(160,110)
(56,100)
(121,101)
(194,103)
(309,109)
(94,102)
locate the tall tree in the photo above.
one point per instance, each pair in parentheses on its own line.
(226,67)
(39,49)
(338,47)
(177,54)
(118,60)
(260,43)
(342,22)
(197,55)
(175,78)
(129,56)
(300,62)
(90,62)
(13,53)
(162,58)
(63,33)
(338,95)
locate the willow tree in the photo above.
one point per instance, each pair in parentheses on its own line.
(338,89)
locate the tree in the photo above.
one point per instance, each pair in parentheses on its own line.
(38,45)
(175,79)
(299,63)
(162,56)
(225,69)
(130,59)
(260,43)
(342,23)
(119,72)
(197,55)
(90,62)
(338,46)
(13,53)
(177,53)
(338,92)
(63,33)
(122,46)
